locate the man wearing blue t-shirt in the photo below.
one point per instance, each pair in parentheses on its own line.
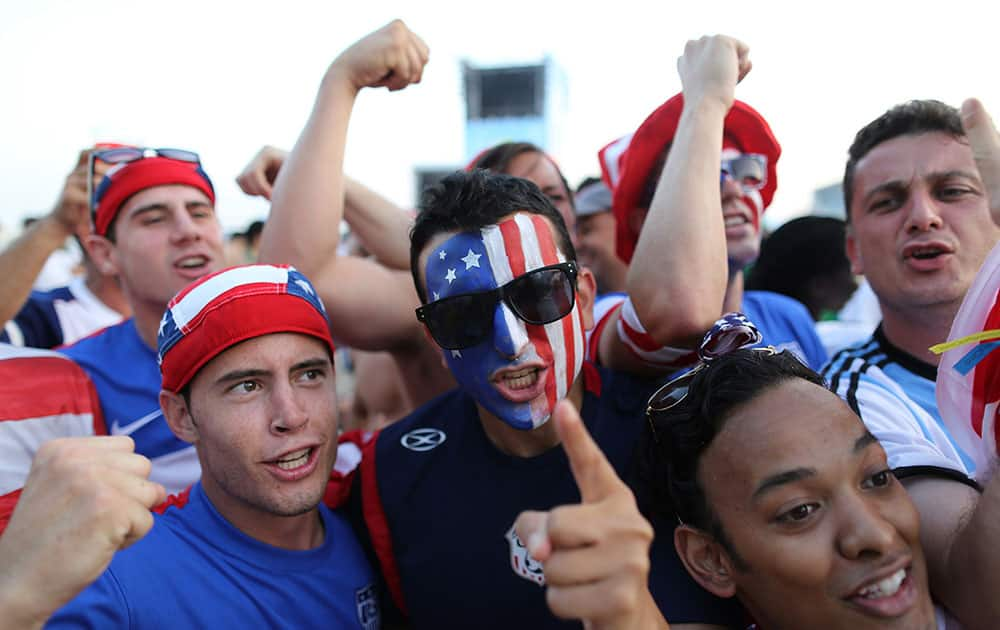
(248,378)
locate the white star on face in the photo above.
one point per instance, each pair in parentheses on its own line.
(450,276)
(437,296)
(442,254)
(471,260)
(305,286)
(456,354)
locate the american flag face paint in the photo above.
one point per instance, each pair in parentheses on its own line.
(752,198)
(521,370)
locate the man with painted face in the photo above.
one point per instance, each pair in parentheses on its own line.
(440,490)
(670,176)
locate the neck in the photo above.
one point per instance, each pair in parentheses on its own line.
(916,330)
(147,322)
(296,533)
(107,290)
(531,443)
(733,301)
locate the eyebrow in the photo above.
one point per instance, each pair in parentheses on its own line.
(798,474)
(307,364)
(149,208)
(899,184)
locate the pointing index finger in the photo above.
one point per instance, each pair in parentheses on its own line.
(594,475)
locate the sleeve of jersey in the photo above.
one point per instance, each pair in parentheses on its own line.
(911,438)
(100,605)
(36,325)
(633,334)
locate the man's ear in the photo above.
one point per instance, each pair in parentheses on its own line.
(705,559)
(586,293)
(178,416)
(103,253)
(853,252)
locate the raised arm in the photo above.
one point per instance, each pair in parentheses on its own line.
(677,279)
(23,259)
(381,226)
(370,306)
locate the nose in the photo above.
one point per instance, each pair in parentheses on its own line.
(923,213)
(510,333)
(185,228)
(287,412)
(729,187)
(865,532)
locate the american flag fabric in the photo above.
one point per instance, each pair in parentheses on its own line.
(230,306)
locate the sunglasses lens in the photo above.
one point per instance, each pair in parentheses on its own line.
(119,155)
(179,154)
(541,296)
(748,170)
(461,321)
(671,393)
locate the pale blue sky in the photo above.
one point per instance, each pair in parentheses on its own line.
(223,78)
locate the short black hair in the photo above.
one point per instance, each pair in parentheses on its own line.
(674,440)
(468,201)
(906,119)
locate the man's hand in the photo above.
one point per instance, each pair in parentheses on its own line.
(392,57)
(257,178)
(72,210)
(595,554)
(84,499)
(985,143)
(711,67)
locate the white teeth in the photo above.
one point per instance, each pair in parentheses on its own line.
(885,588)
(734,221)
(194,261)
(293,460)
(522,379)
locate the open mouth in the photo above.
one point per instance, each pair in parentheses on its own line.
(929,252)
(295,459)
(883,588)
(521,379)
(192,262)
(736,221)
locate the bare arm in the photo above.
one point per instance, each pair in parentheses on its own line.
(370,306)
(678,275)
(959,530)
(381,226)
(23,259)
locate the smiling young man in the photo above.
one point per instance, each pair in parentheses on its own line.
(923,210)
(155,227)
(786,500)
(248,378)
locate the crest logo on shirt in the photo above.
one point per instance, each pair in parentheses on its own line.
(522,562)
(367,606)
(421,440)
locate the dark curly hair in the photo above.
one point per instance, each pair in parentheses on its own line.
(669,451)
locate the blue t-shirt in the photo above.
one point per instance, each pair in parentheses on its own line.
(127,378)
(447,498)
(785,323)
(195,570)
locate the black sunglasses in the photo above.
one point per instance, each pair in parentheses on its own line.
(124,155)
(541,296)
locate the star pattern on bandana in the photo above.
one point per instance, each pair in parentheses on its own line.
(471,260)
(163,324)
(450,276)
(442,254)
(305,286)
